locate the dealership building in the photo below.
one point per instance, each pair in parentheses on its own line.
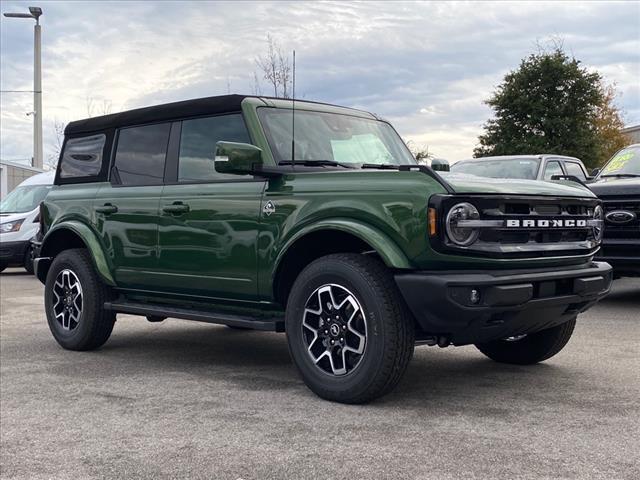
(12,174)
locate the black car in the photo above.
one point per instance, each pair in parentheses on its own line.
(618,185)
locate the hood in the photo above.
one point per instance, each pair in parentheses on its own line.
(465,183)
(616,186)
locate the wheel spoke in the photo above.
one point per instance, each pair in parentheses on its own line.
(329,330)
(68,299)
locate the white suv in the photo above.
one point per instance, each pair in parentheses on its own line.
(19,220)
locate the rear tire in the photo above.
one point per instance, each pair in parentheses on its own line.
(28,260)
(349,332)
(534,348)
(74,302)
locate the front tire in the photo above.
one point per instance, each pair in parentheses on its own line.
(533,348)
(349,332)
(74,302)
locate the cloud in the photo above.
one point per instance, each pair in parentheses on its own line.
(427,67)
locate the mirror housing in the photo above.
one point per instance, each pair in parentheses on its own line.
(440,165)
(237,158)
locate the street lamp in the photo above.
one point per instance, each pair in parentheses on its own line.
(35,12)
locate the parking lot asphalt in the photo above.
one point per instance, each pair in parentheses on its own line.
(182,399)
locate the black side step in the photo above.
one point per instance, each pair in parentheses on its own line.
(145,309)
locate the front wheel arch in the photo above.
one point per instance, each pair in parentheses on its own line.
(336,236)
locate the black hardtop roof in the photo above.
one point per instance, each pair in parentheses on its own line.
(168,111)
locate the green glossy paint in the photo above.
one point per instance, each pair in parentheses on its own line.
(222,242)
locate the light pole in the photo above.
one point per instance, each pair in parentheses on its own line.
(35,12)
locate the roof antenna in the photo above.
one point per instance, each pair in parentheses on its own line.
(293,116)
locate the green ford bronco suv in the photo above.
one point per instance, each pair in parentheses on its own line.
(208,210)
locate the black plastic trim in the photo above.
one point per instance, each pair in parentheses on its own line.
(271,324)
(509,302)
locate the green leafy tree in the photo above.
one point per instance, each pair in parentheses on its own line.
(551,104)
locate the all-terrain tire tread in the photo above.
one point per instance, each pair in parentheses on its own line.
(102,324)
(549,343)
(396,317)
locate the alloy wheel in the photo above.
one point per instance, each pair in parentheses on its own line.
(67,293)
(334,329)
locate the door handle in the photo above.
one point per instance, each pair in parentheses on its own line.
(107,209)
(176,208)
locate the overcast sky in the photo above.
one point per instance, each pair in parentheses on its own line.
(427,67)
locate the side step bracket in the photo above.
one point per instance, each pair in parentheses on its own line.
(145,309)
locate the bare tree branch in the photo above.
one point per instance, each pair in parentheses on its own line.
(276,69)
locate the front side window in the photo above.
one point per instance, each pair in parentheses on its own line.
(552,168)
(335,137)
(82,157)
(198,145)
(506,168)
(141,155)
(575,170)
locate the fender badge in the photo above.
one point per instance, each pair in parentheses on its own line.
(269,208)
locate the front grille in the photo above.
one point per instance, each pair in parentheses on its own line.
(627,230)
(535,209)
(530,227)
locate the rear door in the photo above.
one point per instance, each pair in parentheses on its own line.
(209,221)
(126,209)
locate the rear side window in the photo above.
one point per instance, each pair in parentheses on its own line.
(552,168)
(575,170)
(82,156)
(198,145)
(141,155)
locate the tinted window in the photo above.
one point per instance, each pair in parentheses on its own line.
(82,157)
(198,145)
(575,170)
(141,154)
(552,168)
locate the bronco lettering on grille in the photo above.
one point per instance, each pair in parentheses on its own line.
(542,223)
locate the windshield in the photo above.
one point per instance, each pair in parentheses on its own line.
(508,168)
(24,199)
(334,137)
(624,163)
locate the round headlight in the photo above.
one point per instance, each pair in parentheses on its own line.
(598,225)
(456,231)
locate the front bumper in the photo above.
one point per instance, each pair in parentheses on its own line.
(622,254)
(508,303)
(12,253)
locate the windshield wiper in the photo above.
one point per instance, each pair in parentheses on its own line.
(316,163)
(620,175)
(380,166)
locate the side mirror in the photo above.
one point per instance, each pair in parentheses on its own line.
(595,172)
(440,165)
(237,158)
